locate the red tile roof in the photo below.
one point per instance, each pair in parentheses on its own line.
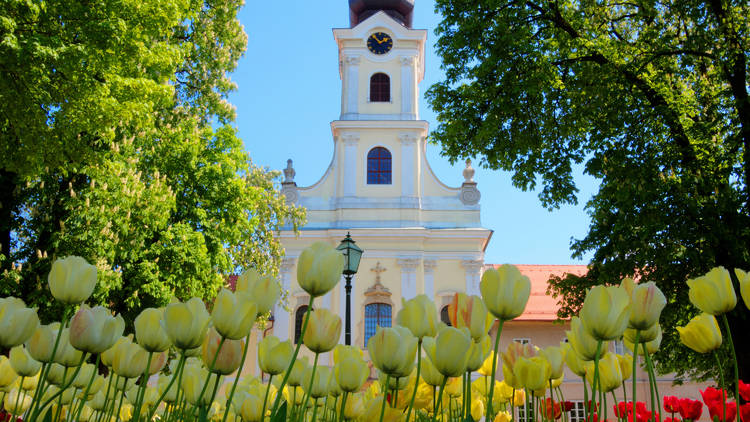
(541,306)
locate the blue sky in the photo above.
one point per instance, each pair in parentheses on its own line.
(289,92)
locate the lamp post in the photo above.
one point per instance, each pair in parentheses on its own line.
(352,255)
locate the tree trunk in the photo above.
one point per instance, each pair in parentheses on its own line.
(8,204)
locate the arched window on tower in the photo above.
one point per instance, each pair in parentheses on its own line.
(299,318)
(379,166)
(380,88)
(444,316)
(376,314)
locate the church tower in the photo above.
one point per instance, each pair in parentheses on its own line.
(419,235)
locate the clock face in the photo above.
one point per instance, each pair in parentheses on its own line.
(379,43)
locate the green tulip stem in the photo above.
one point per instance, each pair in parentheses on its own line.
(210,371)
(343,405)
(178,371)
(309,386)
(416,385)
(315,409)
(382,407)
(722,387)
(215,389)
(395,394)
(468,393)
(595,384)
(490,413)
(36,391)
(88,388)
(604,400)
(114,399)
(122,396)
(291,362)
(650,383)
(265,398)
(652,375)
(439,400)
(586,400)
(614,401)
(18,396)
(65,385)
(635,367)
(561,399)
(142,389)
(106,399)
(237,377)
(736,369)
(434,397)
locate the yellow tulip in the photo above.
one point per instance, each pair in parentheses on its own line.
(478,353)
(264,290)
(605,312)
(555,357)
(350,368)
(419,315)
(477,409)
(7,375)
(126,412)
(449,350)
(430,374)
(644,336)
(355,407)
(701,334)
(225,360)
(319,268)
(158,361)
(108,355)
(556,382)
(514,351)
(42,341)
(186,323)
(372,412)
(233,315)
(744,279)
(162,384)
(581,341)
(454,387)
(71,279)
(318,387)
(393,349)
(297,374)
(30,383)
(56,374)
(274,355)
(470,312)
(22,363)
(651,346)
(646,303)
(94,330)
(84,375)
(519,398)
(296,396)
(505,291)
(193,379)
(17,402)
(575,364)
(713,292)
(610,374)
(626,365)
(533,373)
(66,354)
(149,332)
(323,331)
(17,322)
(129,359)
(503,417)
(510,377)
(486,368)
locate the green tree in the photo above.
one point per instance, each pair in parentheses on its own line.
(118,145)
(649,97)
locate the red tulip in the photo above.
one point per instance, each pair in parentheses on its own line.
(549,409)
(713,395)
(744,391)
(568,405)
(671,404)
(691,409)
(672,420)
(716,410)
(745,412)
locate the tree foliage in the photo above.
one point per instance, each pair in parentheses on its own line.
(649,97)
(117,145)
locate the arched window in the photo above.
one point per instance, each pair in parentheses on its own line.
(379,166)
(444,316)
(376,314)
(380,87)
(299,318)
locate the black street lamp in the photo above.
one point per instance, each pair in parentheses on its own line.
(352,254)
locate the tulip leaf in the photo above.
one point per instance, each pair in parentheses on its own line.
(280,415)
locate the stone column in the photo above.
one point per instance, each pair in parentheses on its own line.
(429,278)
(408,88)
(351,90)
(351,140)
(473,268)
(281,327)
(408,277)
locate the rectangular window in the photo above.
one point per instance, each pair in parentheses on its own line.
(577,413)
(523,411)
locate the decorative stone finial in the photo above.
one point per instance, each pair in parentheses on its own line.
(468,172)
(289,172)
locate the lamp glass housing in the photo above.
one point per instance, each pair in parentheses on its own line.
(352,253)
